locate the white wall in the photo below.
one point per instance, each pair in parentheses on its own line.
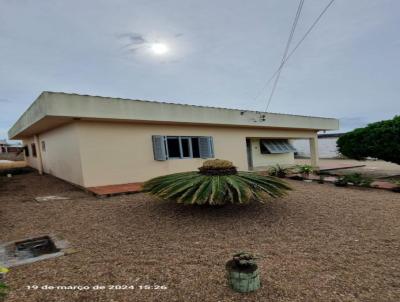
(30,160)
(105,153)
(62,155)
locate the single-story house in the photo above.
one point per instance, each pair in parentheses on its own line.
(95,141)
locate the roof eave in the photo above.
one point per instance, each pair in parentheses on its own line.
(71,106)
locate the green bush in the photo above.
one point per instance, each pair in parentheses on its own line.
(3,287)
(216,185)
(279,171)
(3,291)
(358,180)
(305,169)
(378,140)
(397,187)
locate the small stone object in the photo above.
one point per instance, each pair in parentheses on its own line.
(50,198)
(9,175)
(70,251)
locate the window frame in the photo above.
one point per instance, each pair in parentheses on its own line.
(197,148)
(201,147)
(166,147)
(180,138)
(189,140)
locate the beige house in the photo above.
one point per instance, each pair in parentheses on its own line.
(95,141)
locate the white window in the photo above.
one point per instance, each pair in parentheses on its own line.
(180,147)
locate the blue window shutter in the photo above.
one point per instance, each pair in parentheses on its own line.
(211,143)
(159,149)
(206,147)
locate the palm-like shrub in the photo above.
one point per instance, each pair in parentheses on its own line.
(279,171)
(305,169)
(217,182)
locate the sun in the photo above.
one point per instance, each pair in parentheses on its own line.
(159,48)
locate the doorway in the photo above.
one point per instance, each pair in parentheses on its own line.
(249,154)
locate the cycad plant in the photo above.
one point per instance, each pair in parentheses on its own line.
(216,183)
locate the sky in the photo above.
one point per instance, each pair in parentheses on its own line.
(221,53)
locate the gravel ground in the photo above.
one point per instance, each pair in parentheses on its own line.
(320,243)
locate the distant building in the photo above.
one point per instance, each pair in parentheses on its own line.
(326,143)
(6,147)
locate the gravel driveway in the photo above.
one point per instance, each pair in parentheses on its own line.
(320,243)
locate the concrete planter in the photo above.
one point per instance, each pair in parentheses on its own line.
(243,281)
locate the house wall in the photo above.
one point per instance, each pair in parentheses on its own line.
(91,153)
(62,155)
(117,153)
(264,160)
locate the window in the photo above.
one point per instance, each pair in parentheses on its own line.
(195,147)
(33,147)
(275,146)
(173,147)
(26,151)
(186,147)
(43,146)
(179,147)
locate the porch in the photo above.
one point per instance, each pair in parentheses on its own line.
(263,152)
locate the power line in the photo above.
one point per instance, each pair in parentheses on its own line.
(296,20)
(295,48)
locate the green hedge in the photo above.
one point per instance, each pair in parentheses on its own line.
(379,140)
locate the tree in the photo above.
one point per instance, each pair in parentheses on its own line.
(379,140)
